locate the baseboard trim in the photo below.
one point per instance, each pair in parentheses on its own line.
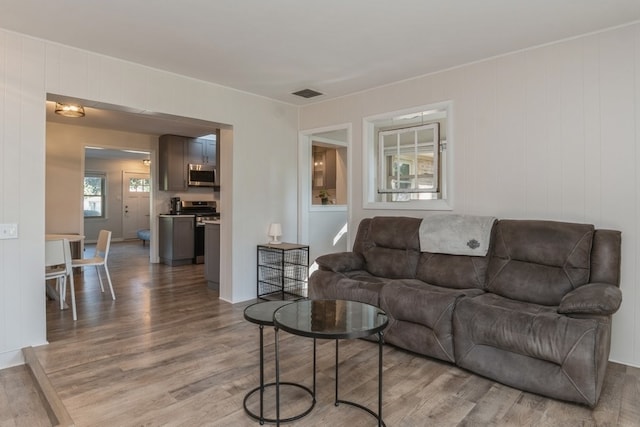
(53,404)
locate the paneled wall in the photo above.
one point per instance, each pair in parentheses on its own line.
(550,133)
(259,160)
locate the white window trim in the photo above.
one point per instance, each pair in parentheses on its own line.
(369,164)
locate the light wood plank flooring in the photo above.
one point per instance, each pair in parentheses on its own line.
(169,352)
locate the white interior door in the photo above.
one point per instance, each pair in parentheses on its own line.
(135,203)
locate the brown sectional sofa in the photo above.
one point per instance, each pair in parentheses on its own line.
(533,313)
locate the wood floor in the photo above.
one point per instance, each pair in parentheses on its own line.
(169,352)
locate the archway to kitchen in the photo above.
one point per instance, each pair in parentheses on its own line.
(113,127)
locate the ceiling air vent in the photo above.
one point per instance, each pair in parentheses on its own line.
(307,93)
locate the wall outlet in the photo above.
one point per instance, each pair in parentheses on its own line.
(8,231)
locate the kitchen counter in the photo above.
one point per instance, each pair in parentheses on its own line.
(176,215)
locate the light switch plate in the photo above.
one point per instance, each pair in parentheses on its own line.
(8,231)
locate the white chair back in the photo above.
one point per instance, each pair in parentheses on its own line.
(58,265)
(54,253)
(103,244)
(99,259)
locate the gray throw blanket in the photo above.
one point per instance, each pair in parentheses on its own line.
(456,234)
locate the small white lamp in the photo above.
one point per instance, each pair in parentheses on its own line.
(275,231)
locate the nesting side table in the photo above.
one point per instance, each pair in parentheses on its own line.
(261,313)
(283,270)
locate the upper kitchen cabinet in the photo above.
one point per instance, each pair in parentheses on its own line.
(172,152)
(202,151)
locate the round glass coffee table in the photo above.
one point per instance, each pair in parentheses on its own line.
(331,319)
(261,313)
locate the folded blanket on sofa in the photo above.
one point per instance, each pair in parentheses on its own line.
(456,234)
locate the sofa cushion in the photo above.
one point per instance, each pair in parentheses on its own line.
(452,271)
(522,344)
(539,261)
(420,316)
(393,247)
(353,286)
(395,232)
(392,263)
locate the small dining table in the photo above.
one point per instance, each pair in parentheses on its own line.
(73,239)
(69,237)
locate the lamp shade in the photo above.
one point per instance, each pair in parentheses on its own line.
(275,231)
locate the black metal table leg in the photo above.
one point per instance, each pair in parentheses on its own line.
(262,386)
(378,416)
(261,374)
(277,380)
(337,380)
(380,339)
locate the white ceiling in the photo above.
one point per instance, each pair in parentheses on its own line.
(337,47)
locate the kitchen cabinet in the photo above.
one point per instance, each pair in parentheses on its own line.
(172,167)
(212,255)
(324,168)
(176,239)
(202,151)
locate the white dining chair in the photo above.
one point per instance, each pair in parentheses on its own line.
(58,267)
(99,259)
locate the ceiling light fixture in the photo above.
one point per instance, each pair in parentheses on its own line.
(69,110)
(146,162)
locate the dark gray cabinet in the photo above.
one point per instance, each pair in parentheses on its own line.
(202,151)
(172,167)
(176,239)
(212,256)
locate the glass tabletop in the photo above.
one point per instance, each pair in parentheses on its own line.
(331,319)
(262,312)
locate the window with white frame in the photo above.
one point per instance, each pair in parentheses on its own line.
(94,195)
(408,159)
(139,185)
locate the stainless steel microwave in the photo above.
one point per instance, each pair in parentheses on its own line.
(201,175)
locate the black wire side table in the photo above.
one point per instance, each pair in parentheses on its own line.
(331,319)
(261,313)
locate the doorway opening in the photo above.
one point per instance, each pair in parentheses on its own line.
(324,165)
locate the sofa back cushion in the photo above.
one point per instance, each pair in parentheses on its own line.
(390,246)
(453,271)
(539,261)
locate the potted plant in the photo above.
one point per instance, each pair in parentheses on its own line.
(324,196)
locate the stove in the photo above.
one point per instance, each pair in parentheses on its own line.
(203,211)
(198,208)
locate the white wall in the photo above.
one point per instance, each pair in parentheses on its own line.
(327,231)
(261,155)
(550,133)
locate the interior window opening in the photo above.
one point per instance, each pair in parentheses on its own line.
(407,153)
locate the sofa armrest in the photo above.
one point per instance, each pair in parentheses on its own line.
(341,262)
(593,298)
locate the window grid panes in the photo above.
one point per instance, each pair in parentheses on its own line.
(94,195)
(139,185)
(408,163)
